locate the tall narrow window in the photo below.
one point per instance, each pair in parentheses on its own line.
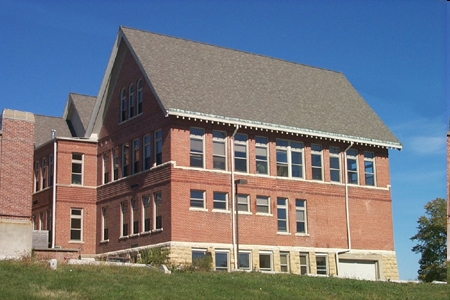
(197,199)
(139,97)
(289,159)
(316,162)
(136,156)
(284,262)
(240,152)
(147,152)
(352,166)
(106,166)
(243,203)
(158,215)
(77,168)
(44,173)
(300,215)
(261,155)
(220,201)
(41,220)
(134,215)
(131,103)
(115,154)
(369,168)
(125,218)
(76,224)
(282,215)
(219,152)
(51,169)
(123,105)
(158,147)
(125,159)
(146,213)
(335,164)
(36,176)
(105,235)
(304,263)
(263,204)
(322,264)
(197,147)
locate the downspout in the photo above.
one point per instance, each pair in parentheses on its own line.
(233,197)
(54,188)
(347,214)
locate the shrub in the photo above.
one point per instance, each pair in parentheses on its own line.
(154,256)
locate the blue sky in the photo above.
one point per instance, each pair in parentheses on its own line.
(393,53)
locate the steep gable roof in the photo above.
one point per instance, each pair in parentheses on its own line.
(78,112)
(208,82)
(43,129)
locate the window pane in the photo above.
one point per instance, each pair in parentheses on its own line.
(219,148)
(334,162)
(75,223)
(296,158)
(197,146)
(75,235)
(265,262)
(244,260)
(281,156)
(76,168)
(221,261)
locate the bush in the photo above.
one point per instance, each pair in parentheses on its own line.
(154,256)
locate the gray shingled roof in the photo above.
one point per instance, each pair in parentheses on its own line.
(84,106)
(43,127)
(196,78)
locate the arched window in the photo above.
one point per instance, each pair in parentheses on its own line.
(123,105)
(131,101)
(139,97)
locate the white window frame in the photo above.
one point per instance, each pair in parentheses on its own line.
(131,101)
(259,203)
(262,161)
(134,216)
(290,148)
(286,265)
(219,141)
(218,201)
(270,254)
(106,167)
(147,152)
(245,253)
(243,199)
(36,177)
(124,207)
(324,272)
(136,156)
(305,265)
(335,155)
(352,155)
(299,208)
(222,268)
(115,154)
(369,158)
(44,182)
(240,141)
(76,161)
(146,202)
(193,199)
(125,160)
(105,233)
(157,203)
(316,152)
(139,97)
(280,207)
(158,146)
(51,165)
(73,229)
(123,105)
(197,135)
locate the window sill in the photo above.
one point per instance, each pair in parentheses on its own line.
(157,230)
(264,214)
(302,234)
(133,235)
(104,241)
(146,232)
(223,211)
(245,213)
(124,237)
(283,233)
(198,209)
(76,242)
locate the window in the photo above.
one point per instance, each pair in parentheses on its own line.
(220,201)
(105,236)
(300,215)
(106,166)
(322,264)
(243,203)
(131,101)
(139,97)
(41,221)
(158,147)
(265,261)
(369,168)
(123,105)
(261,155)
(289,159)
(352,166)
(125,159)
(134,215)
(197,199)
(76,224)
(244,260)
(136,156)
(115,154)
(125,217)
(284,262)
(219,150)
(335,164)
(240,152)
(51,165)
(44,173)
(197,147)
(146,212)
(157,197)
(263,204)
(77,168)
(282,215)
(316,162)
(222,260)
(147,152)
(198,254)
(304,263)
(36,176)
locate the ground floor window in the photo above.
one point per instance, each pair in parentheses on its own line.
(244,260)
(265,261)
(304,263)
(76,224)
(284,262)
(322,264)
(221,260)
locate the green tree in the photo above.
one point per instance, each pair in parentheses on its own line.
(432,241)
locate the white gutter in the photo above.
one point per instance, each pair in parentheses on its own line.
(54,188)
(233,197)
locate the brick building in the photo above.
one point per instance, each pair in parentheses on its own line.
(184,134)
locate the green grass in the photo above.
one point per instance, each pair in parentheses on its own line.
(35,280)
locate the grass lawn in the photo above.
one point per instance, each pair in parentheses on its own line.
(35,280)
